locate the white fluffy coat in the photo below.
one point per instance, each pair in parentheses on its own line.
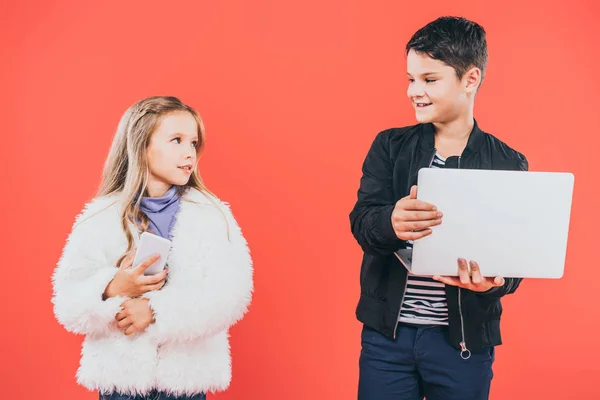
(209,286)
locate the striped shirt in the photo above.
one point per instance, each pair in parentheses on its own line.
(425,300)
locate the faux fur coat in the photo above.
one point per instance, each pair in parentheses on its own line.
(208,289)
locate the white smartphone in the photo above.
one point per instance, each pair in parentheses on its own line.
(148,245)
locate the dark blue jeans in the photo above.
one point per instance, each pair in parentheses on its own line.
(154,395)
(421,363)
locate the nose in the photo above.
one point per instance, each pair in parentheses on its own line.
(415,89)
(191,154)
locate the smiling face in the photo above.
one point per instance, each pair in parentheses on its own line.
(172,152)
(435,91)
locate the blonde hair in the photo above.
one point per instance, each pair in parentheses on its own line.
(126,168)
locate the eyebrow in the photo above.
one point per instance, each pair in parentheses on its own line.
(172,135)
(425,74)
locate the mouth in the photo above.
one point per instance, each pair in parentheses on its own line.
(422,105)
(186,168)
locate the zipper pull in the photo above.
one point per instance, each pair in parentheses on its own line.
(465,353)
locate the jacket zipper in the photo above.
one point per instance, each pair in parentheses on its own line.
(406,283)
(400,310)
(465,353)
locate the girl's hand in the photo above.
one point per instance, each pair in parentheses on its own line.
(131,282)
(135,316)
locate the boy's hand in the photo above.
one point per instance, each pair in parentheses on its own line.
(412,218)
(475,282)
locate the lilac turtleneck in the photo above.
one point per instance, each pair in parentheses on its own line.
(161,211)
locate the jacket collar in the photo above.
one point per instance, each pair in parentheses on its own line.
(476,138)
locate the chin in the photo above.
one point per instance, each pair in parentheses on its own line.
(183,182)
(424,119)
(179,181)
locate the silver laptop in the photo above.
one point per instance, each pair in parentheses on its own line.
(513,223)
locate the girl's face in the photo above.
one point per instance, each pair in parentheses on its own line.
(172,152)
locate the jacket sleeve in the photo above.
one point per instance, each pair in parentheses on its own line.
(79,281)
(212,301)
(510,284)
(371,218)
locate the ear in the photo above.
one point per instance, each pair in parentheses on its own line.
(471,80)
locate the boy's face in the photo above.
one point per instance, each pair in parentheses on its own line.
(434,90)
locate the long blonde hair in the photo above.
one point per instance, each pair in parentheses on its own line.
(126,168)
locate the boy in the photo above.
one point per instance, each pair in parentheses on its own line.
(422,336)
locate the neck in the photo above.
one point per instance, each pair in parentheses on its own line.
(157,189)
(455,130)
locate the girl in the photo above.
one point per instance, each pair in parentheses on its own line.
(163,336)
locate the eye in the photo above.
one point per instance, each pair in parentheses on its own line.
(176,140)
(430,80)
(411,79)
(194,144)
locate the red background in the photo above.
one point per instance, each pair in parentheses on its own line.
(292,94)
